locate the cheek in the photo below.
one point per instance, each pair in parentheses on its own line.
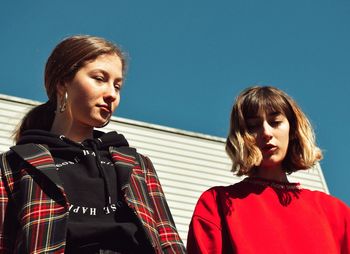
(285,132)
(286,139)
(78,98)
(116,102)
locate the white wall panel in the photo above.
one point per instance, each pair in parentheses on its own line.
(187,163)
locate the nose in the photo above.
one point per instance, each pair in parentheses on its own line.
(110,94)
(266,131)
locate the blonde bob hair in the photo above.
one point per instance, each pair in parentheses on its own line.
(240,144)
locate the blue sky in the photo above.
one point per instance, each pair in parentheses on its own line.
(189,59)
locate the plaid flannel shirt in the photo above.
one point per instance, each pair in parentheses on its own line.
(34,207)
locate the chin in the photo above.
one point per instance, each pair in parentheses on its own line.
(96,123)
(103,122)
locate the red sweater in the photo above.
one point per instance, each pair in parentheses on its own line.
(254,217)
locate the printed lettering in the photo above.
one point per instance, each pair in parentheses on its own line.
(92,211)
(76,210)
(85,209)
(106,210)
(87,152)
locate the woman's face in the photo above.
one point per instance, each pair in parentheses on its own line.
(271,132)
(94,92)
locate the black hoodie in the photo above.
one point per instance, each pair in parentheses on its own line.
(99,219)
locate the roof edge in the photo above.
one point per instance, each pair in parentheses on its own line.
(128,121)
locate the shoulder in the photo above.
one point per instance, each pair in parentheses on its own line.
(325,201)
(213,192)
(140,159)
(330,208)
(212,197)
(4,159)
(124,154)
(219,197)
(128,151)
(10,161)
(10,167)
(7,154)
(222,190)
(210,205)
(229,190)
(4,155)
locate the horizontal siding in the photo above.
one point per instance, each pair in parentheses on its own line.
(187,163)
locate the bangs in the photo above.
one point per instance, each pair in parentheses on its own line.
(265,100)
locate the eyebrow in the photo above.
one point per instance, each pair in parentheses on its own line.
(272,114)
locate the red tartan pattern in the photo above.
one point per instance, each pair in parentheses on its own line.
(165,226)
(145,195)
(123,158)
(41,227)
(38,214)
(37,162)
(42,159)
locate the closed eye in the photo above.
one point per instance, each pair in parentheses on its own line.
(117,87)
(99,78)
(275,123)
(253,126)
(118,84)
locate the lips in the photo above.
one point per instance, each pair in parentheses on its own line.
(105,108)
(269,148)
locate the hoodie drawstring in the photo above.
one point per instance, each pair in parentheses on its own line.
(94,145)
(102,172)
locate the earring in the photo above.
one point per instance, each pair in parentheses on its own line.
(63,104)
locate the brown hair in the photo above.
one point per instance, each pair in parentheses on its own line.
(240,144)
(64,62)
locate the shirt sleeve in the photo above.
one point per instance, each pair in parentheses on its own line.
(346,240)
(169,238)
(7,220)
(205,232)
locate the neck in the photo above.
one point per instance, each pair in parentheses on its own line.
(74,131)
(276,174)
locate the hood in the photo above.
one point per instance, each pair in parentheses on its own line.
(62,147)
(102,140)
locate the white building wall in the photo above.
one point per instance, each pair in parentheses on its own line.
(187,163)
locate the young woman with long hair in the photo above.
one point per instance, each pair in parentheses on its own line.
(69,188)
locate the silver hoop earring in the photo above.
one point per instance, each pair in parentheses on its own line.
(63,104)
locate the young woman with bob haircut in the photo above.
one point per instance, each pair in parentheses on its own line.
(269,138)
(68,188)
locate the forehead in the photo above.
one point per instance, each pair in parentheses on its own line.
(269,105)
(105,62)
(113,59)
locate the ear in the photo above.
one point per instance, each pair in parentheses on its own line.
(61,88)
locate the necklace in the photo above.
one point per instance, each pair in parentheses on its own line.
(272,183)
